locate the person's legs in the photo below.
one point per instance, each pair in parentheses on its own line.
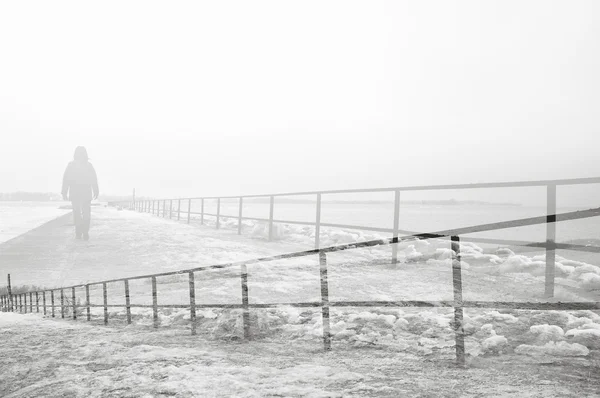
(87,215)
(77,218)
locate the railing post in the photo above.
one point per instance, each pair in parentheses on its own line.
(245,302)
(170,209)
(202,213)
(127,302)
(37,302)
(10,296)
(178,209)
(105,297)
(62,303)
(189,210)
(25,299)
(240,215)
(550,239)
(325,301)
(87,301)
(396,226)
(165,208)
(21,302)
(218,211)
(44,301)
(52,302)
(154,303)
(458,301)
(74,304)
(271,211)
(192,302)
(153,205)
(31,302)
(318,223)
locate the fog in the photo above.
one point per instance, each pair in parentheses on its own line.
(234,97)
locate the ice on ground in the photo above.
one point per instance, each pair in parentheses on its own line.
(561,349)
(587,337)
(545,333)
(494,344)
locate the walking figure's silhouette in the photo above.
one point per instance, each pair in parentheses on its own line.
(81,184)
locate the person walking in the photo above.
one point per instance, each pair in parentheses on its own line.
(81,184)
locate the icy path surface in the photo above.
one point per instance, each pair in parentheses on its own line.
(123,243)
(54,358)
(17,218)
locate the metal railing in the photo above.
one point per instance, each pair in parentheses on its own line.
(10,302)
(154,207)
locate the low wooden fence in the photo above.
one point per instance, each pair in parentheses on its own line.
(25,302)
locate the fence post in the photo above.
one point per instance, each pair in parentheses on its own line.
(25,299)
(10,296)
(62,303)
(271,211)
(202,213)
(52,302)
(30,301)
(218,210)
(105,296)
(178,209)
(458,301)
(396,226)
(165,208)
(192,303)
(550,239)
(240,215)
(189,210)
(21,302)
(245,302)
(318,223)
(74,304)
(127,302)
(154,302)
(44,301)
(87,301)
(325,301)
(170,209)
(153,212)
(37,302)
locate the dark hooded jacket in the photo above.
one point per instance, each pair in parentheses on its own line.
(80,180)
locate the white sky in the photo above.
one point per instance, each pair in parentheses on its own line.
(239,97)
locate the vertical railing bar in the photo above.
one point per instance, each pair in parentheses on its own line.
(74,304)
(87,300)
(154,303)
(52,302)
(202,213)
(21,302)
(153,212)
(271,211)
(31,302)
(325,301)
(396,226)
(10,296)
(178,209)
(318,223)
(170,209)
(105,297)
(240,215)
(245,301)
(458,301)
(44,302)
(550,240)
(189,210)
(192,302)
(218,211)
(127,302)
(37,302)
(62,303)
(25,300)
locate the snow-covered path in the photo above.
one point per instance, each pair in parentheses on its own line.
(55,358)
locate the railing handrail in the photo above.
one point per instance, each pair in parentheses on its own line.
(567,216)
(510,184)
